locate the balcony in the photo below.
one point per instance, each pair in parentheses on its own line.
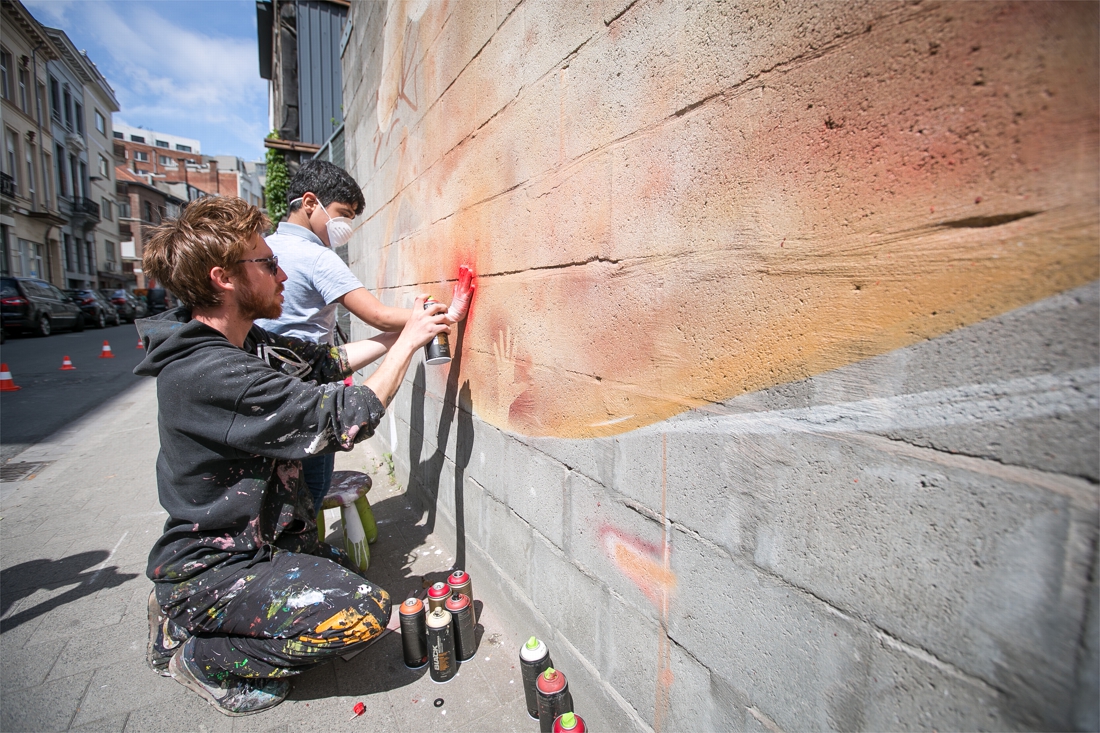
(80,211)
(7,186)
(88,207)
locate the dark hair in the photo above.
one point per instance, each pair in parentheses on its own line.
(328,183)
(210,232)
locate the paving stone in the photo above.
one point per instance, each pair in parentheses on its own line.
(27,665)
(47,707)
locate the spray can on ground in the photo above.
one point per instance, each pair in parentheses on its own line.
(438,595)
(534,658)
(438,350)
(462,611)
(460,582)
(554,698)
(414,633)
(569,723)
(441,646)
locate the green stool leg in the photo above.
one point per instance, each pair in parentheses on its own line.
(321,525)
(355,541)
(366,515)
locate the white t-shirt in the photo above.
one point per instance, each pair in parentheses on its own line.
(316,278)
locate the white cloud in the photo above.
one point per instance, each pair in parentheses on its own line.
(172,78)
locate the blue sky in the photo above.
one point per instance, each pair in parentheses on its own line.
(184,67)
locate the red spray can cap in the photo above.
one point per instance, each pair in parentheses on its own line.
(438,591)
(550,681)
(458,577)
(457,602)
(569,723)
(412,606)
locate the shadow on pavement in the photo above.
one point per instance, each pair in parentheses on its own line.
(23,580)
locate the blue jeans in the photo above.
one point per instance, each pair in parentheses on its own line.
(318,473)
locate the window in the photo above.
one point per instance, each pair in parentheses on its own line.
(100,122)
(68,244)
(118,135)
(68,103)
(83,180)
(10,157)
(24,97)
(55,99)
(47,166)
(161,144)
(74,176)
(106,208)
(123,209)
(109,248)
(183,148)
(29,151)
(165,160)
(89,248)
(104,169)
(137,139)
(62,181)
(79,118)
(141,155)
(40,100)
(5,74)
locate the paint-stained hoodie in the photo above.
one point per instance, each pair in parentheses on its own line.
(232,432)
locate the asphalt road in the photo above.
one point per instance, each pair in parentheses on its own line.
(51,398)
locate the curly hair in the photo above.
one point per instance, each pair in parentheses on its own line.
(328,182)
(211,232)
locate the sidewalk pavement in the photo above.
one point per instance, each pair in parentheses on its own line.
(74,535)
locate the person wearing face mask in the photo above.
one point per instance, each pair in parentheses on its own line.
(324,199)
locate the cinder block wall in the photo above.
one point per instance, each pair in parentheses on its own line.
(778,404)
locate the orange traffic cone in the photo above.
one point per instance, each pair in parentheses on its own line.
(106,353)
(140,345)
(66,365)
(6,382)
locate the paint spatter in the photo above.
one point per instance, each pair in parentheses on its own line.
(640,561)
(309,598)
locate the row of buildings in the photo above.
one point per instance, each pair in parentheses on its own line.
(77,190)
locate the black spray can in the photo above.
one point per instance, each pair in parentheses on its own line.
(414,633)
(534,658)
(554,698)
(438,350)
(462,611)
(442,665)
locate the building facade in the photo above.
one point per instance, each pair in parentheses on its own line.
(30,221)
(141,206)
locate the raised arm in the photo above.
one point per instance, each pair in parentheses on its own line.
(423,325)
(373,312)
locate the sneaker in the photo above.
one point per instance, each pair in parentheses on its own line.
(162,641)
(231,696)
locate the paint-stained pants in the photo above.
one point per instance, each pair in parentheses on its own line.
(276,617)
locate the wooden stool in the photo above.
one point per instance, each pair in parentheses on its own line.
(349,493)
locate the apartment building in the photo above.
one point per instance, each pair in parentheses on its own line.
(30,221)
(141,206)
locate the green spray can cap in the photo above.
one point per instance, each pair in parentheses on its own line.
(568,720)
(533,643)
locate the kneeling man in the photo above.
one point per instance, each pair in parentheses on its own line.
(245,595)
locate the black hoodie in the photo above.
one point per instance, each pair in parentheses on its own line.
(232,432)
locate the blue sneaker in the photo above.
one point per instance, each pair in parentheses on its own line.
(232,696)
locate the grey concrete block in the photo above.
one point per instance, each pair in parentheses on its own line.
(46,707)
(629,657)
(111,724)
(508,542)
(575,604)
(693,697)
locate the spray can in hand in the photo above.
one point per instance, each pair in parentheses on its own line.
(554,698)
(462,611)
(414,633)
(438,350)
(569,723)
(441,646)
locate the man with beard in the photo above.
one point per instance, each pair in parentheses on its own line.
(245,595)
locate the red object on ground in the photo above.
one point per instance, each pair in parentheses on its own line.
(140,345)
(359,709)
(66,365)
(6,382)
(106,352)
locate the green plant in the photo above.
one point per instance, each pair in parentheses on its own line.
(278,179)
(388,458)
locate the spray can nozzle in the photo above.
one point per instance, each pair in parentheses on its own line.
(533,643)
(550,673)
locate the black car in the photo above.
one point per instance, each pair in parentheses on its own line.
(129,306)
(158,300)
(31,305)
(98,311)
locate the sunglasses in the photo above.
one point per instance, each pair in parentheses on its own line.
(272,263)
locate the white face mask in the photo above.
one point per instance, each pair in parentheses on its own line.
(338,227)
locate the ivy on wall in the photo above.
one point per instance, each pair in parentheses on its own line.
(277,182)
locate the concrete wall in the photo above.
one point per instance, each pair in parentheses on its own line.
(778,404)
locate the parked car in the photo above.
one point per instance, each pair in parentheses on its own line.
(129,306)
(98,311)
(30,305)
(157,300)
